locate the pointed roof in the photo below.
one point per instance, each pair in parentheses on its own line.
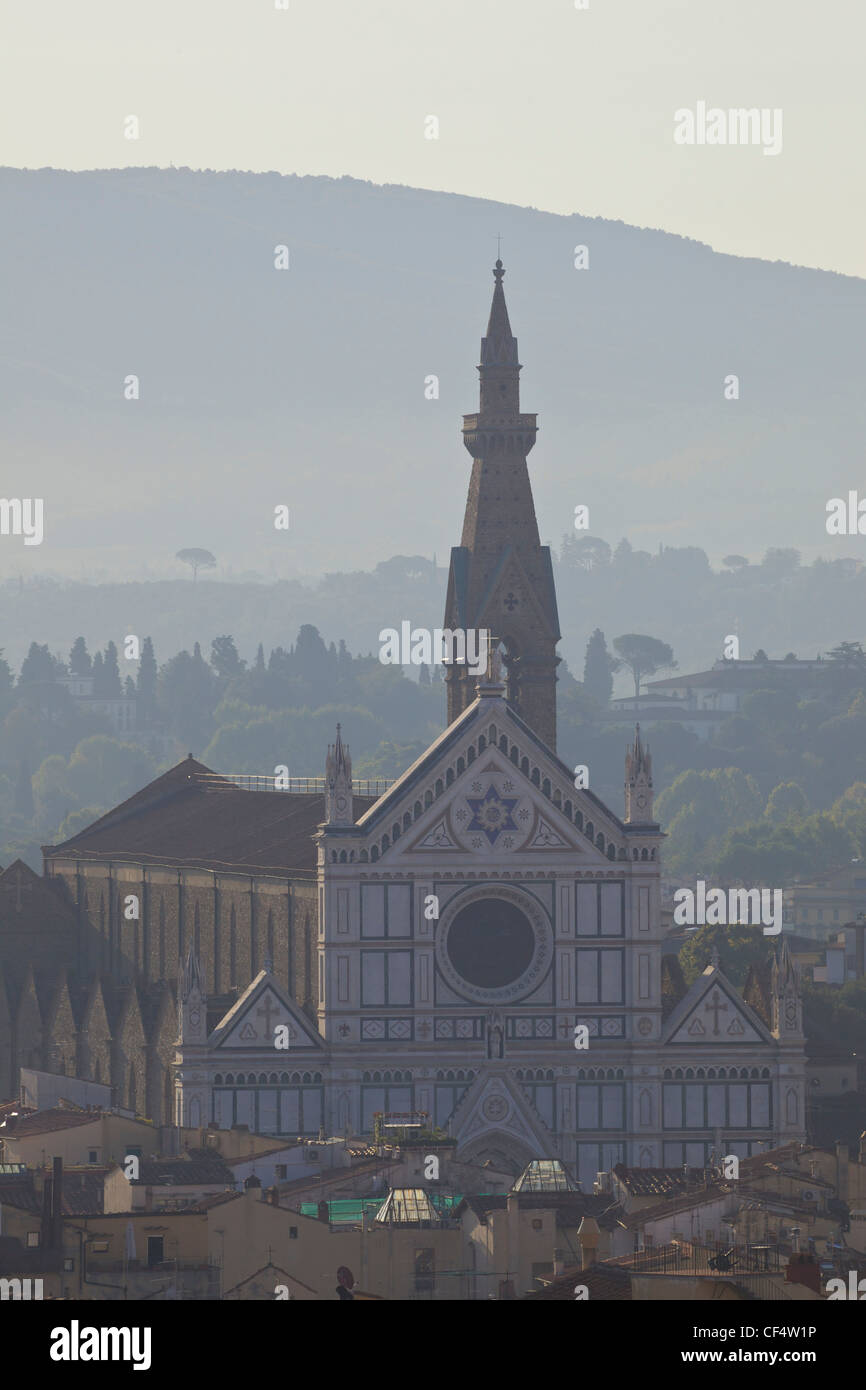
(241,1030)
(192,977)
(637,758)
(499,346)
(545,1175)
(408,1206)
(686,1026)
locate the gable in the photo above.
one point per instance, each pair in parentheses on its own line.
(251,1023)
(489,786)
(713,1013)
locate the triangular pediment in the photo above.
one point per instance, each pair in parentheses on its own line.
(487,787)
(712,1013)
(251,1023)
(495,1103)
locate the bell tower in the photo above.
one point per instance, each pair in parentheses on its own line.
(638,783)
(501,577)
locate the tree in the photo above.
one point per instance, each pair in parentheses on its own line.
(780,561)
(586,552)
(39,666)
(224,658)
(103,771)
(735,562)
(23,801)
(145,682)
(739,947)
(79,658)
(598,669)
(197,559)
(644,656)
(109,686)
(786,801)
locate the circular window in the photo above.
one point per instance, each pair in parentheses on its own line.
(496,946)
(490,943)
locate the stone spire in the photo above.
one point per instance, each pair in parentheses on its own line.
(638,783)
(785,991)
(501,577)
(338,784)
(192,1001)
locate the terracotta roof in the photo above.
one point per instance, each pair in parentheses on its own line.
(183,1172)
(46,1121)
(604,1283)
(191,815)
(652,1182)
(83,1192)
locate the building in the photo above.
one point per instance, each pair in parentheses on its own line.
(477,947)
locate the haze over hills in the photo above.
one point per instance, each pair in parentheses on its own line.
(305,387)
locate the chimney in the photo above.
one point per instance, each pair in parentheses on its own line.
(588,1234)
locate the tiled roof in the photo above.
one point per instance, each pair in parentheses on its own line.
(83,1192)
(47,1121)
(652,1182)
(604,1283)
(183,1172)
(190,815)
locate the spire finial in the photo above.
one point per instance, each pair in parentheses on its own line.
(498,272)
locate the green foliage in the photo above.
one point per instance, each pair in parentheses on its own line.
(787,800)
(643,656)
(775,854)
(835,1016)
(598,669)
(739,948)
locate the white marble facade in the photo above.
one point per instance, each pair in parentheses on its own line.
(548,917)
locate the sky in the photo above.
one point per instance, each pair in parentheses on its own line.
(538,103)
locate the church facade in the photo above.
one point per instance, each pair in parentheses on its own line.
(304,960)
(488,935)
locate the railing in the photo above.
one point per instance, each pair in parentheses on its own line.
(262,782)
(714,1261)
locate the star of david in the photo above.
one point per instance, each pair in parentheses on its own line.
(491,813)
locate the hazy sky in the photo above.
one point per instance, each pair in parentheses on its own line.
(538,103)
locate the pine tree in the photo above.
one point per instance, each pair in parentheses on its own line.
(111,674)
(79,658)
(598,669)
(145,683)
(98,675)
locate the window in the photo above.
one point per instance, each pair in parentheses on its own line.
(293,1233)
(93,1156)
(386,910)
(99,1247)
(600,976)
(32,1239)
(155,1254)
(386,978)
(281,1169)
